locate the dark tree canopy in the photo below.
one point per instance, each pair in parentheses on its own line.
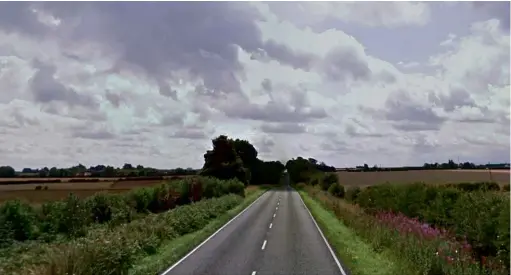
(238,159)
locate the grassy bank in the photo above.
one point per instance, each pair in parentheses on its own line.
(356,254)
(408,246)
(173,250)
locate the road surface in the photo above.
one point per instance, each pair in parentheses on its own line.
(274,235)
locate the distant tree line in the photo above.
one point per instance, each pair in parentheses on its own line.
(449,165)
(228,159)
(80,170)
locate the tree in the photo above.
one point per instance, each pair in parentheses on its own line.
(54,172)
(7,172)
(223,161)
(127,166)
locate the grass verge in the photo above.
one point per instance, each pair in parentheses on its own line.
(358,256)
(172,251)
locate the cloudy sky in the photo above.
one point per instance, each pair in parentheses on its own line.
(387,83)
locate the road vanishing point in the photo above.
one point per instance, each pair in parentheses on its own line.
(276,234)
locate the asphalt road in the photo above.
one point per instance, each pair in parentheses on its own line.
(274,235)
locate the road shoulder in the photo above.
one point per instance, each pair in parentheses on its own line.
(357,256)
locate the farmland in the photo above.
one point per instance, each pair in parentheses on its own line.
(362,179)
(56,191)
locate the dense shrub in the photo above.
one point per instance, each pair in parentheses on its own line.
(300,186)
(331,178)
(505,188)
(475,186)
(72,216)
(479,216)
(352,193)
(18,220)
(115,251)
(336,190)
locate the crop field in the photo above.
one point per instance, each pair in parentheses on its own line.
(57,191)
(362,179)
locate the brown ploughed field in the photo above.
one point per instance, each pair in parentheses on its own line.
(363,179)
(58,191)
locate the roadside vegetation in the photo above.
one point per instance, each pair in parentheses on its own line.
(424,229)
(114,233)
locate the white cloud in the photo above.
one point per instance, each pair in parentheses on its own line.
(93,95)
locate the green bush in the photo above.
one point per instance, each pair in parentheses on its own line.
(106,251)
(352,194)
(331,178)
(475,186)
(480,216)
(72,216)
(18,220)
(300,186)
(336,190)
(505,187)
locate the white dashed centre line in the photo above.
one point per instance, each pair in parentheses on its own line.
(271,224)
(277,208)
(274,215)
(264,245)
(253,272)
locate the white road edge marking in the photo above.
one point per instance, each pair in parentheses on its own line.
(271,224)
(264,245)
(323,236)
(212,235)
(253,273)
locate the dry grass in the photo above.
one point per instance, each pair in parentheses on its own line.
(58,191)
(363,179)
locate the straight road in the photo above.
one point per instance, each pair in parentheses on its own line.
(275,235)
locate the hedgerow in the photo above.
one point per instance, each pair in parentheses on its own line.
(71,217)
(113,250)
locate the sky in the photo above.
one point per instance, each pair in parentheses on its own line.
(152,83)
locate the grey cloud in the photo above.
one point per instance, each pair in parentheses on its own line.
(288,57)
(405,114)
(190,134)
(23,120)
(264,145)
(352,131)
(19,17)
(46,88)
(412,126)
(87,133)
(114,98)
(273,112)
(455,99)
(166,90)
(338,147)
(171,119)
(163,37)
(400,107)
(284,128)
(342,63)
(267,85)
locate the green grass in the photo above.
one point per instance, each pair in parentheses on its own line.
(172,251)
(357,255)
